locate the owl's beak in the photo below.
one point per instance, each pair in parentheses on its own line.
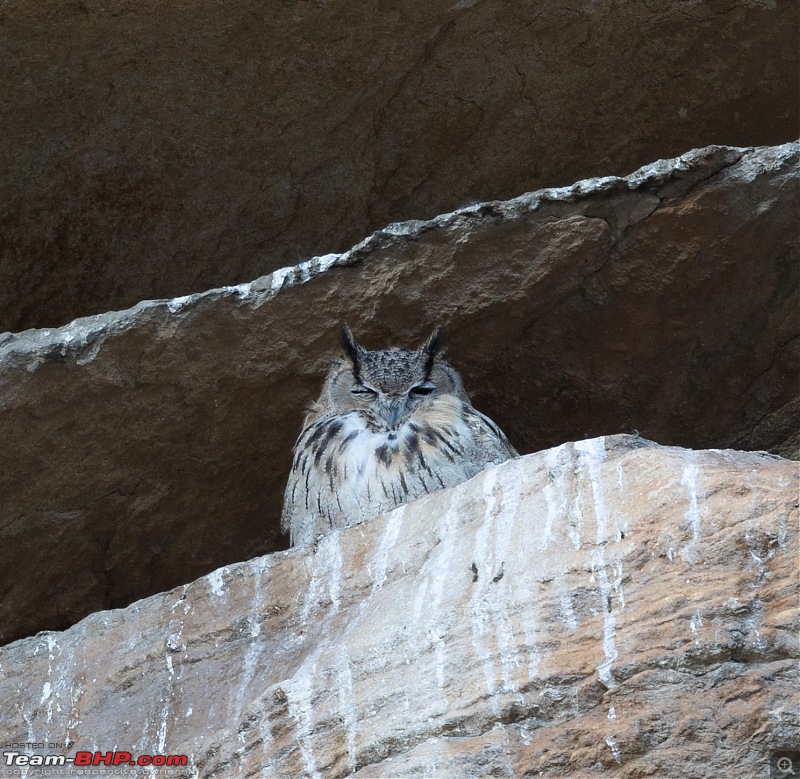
(392,412)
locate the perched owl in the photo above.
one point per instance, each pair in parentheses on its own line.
(390,426)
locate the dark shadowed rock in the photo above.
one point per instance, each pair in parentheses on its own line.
(608,607)
(148,447)
(153,148)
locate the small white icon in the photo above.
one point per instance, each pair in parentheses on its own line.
(785,766)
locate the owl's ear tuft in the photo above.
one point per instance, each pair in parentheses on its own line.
(432,348)
(352,349)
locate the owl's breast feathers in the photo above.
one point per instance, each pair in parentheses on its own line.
(347,469)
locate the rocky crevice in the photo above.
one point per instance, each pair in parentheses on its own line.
(167,428)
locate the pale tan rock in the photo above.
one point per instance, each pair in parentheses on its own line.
(609,607)
(153,148)
(150,446)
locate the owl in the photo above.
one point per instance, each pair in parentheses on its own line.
(390,426)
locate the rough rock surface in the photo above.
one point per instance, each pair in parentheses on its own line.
(151,446)
(153,148)
(606,607)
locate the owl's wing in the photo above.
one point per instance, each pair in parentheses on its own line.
(290,512)
(491,439)
(301,505)
(314,501)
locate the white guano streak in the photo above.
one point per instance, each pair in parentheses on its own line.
(47,691)
(347,709)
(441,572)
(215,581)
(483,558)
(327,569)
(592,453)
(378,566)
(555,496)
(567,611)
(614,748)
(163,716)
(488,601)
(299,700)
(256,648)
(695,624)
(689,479)
(504,520)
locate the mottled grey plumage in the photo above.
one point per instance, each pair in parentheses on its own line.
(390,426)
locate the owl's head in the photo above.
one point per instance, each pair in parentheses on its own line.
(388,385)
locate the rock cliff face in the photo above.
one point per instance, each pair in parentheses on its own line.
(159,147)
(610,606)
(152,445)
(606,607)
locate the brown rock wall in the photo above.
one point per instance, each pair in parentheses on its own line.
(155,148)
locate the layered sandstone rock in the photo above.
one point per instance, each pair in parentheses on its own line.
(151,446)
(160,147)
(606,607)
